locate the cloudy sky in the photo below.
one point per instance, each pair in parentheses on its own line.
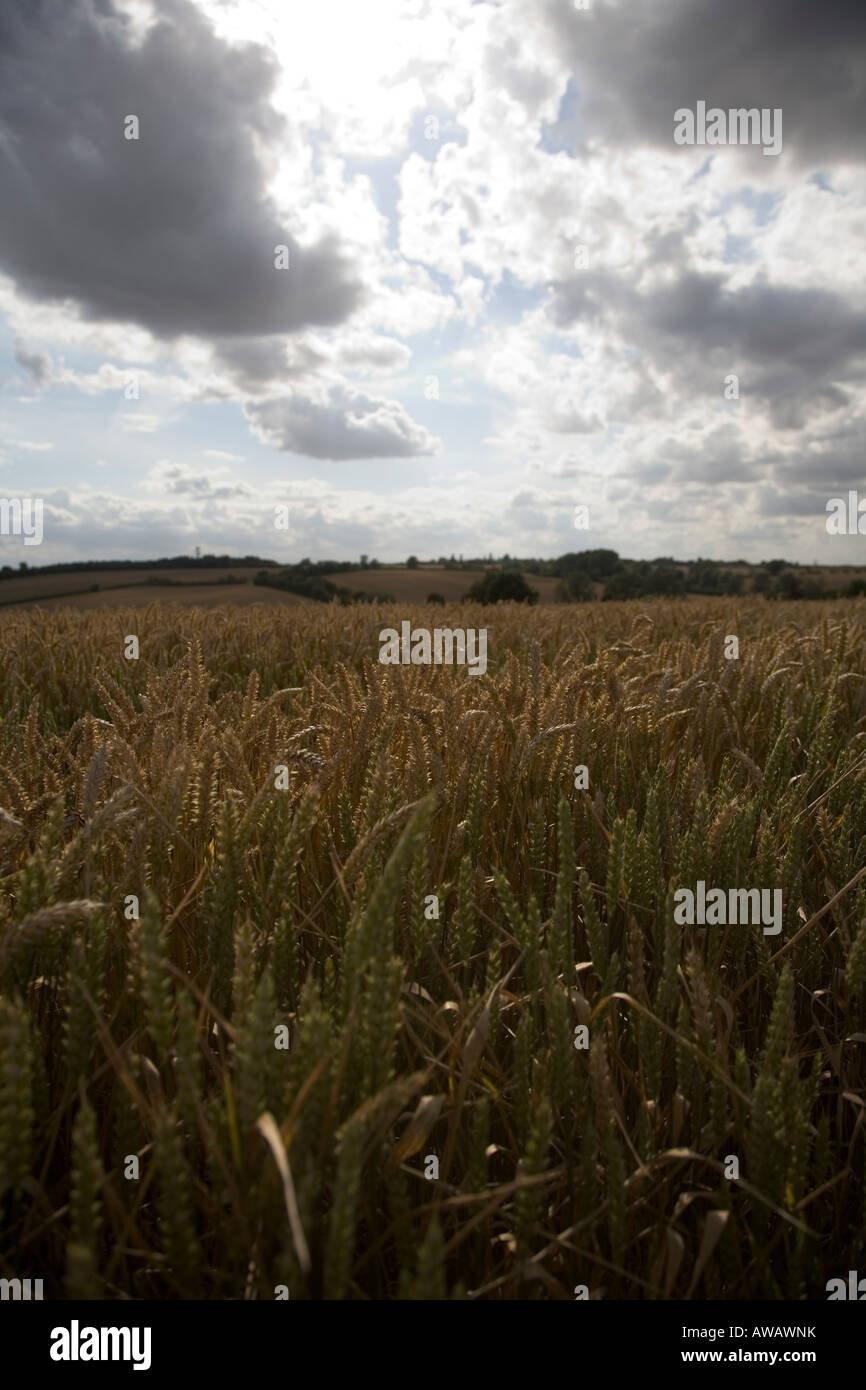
(509,291)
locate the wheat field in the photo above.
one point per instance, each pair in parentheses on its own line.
(241,1056)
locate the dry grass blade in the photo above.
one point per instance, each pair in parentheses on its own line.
(267,1127)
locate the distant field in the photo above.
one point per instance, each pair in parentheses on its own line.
(34,587)
(413,586)
(130,586)
(198,595)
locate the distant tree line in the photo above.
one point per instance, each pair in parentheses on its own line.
(177,562)
(307,580)
(583,575)
(589,574)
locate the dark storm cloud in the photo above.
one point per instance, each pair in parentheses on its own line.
(172,231)
(809,328)
(682,466)
(635,63)
(254,362)
(790,346)
(794,482)
(835,462)
(718,457)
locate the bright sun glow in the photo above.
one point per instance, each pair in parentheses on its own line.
(350,59)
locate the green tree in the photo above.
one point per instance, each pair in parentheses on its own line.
(502,588)
(578,585)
